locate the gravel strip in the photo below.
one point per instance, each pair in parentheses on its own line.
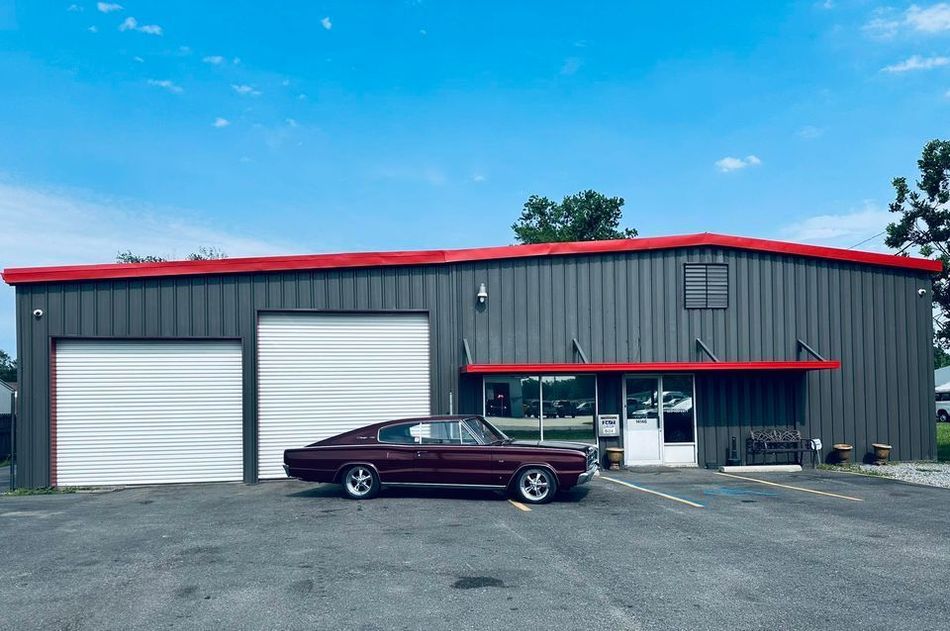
(929,473)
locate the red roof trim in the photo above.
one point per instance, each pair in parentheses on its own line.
(489,369)
(21,275)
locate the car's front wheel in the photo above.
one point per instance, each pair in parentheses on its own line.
(360,482)
(535,486)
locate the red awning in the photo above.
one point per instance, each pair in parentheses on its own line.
(488,369)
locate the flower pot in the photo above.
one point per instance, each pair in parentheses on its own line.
(881,453)
(842,453)
(615,457)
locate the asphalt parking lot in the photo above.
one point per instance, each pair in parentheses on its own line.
(707,552)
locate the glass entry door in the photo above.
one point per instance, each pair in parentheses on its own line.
(659,420)
(642,437)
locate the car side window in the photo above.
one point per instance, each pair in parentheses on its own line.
(445,433)
(439,434)
(398,434)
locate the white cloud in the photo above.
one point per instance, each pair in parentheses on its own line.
(243,88)
(571,66)
(843,230)
(220,122)
(810,132)
(727,164)
(326,23)
(886,22)
(291,122)
(478,177)
(932,19)
(131,24)
(74,8)
(827,5)
(171,86)
(80,227)
(93,29)
(108,7)
(138,59)
(917,62)
(214,60)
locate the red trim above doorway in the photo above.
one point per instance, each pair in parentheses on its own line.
(488,369)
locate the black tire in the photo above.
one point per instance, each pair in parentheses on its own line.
(360,482)
(942,416)
(535,485)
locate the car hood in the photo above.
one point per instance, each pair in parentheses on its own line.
(552,444)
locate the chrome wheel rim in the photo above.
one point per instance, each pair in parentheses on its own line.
(359,480)
(535,484)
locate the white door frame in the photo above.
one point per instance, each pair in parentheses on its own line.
(660,420)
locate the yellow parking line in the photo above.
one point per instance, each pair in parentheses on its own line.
(794,488)
(520,506)
(652,492)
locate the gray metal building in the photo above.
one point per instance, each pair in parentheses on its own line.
(206,370)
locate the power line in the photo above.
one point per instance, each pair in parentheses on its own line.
(868,239)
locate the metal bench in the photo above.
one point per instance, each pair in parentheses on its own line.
(779,441)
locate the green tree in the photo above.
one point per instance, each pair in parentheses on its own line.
(7,367)
(941,357)
(924,223)
(584,216)
(203,253)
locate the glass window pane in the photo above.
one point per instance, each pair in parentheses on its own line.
(642,400)
(678,409)
(399,434)
(569,407)
(512,404)
(441,433)
(467,437)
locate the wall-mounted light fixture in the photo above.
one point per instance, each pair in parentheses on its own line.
(482,294)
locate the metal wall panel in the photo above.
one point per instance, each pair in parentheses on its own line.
(323,374)
(147,412)
(621,307)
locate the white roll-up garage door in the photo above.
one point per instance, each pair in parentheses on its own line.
(322,374)
(130,412)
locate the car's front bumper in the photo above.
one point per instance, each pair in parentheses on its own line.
(588,475)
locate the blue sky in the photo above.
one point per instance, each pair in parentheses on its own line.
(310,126)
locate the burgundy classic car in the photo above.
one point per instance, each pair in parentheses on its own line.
(457,451)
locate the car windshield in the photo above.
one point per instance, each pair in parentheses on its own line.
(484,431)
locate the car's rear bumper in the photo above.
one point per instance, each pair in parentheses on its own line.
(588,475)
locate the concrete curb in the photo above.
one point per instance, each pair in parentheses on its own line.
(762,468)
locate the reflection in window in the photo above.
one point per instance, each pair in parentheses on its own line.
(556,407)
(568,403)
(642,395)
(513,403)
(678,409)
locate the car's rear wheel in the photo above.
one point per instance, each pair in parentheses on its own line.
(360,482)
(535,486)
